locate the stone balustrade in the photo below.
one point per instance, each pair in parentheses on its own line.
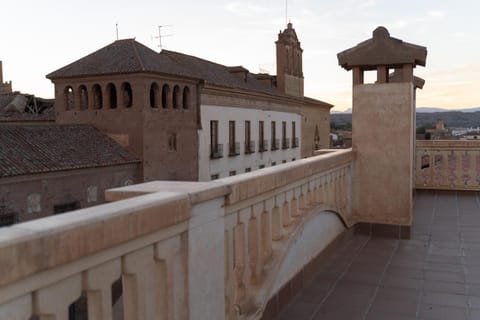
(178,250)
(447,165)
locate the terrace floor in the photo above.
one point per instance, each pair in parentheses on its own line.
(435,275)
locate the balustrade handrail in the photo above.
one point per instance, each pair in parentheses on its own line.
(30,251)
(447,165)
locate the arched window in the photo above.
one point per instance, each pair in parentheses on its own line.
(83,97)
(186,98)
(176,97)
(97,97)
(69,99)
(165,96)
(127,95)
(154,95)
(112,95)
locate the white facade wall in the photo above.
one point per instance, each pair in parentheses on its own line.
(239,163)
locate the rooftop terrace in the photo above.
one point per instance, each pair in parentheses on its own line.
(434,275)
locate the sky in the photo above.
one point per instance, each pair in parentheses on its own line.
(38,37)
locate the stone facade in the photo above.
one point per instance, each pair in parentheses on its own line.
(154,104)
(144,113)
(34,196)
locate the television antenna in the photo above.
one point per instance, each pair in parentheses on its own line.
(160,35)
(116,28)
(286,12)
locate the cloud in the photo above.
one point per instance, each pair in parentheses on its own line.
(245,9)
(436,14)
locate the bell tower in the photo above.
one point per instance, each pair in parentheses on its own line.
(289,62)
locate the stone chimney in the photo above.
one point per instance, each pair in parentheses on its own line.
(289,62)
(4,87)
(383,136)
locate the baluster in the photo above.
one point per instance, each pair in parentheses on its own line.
(171,254)
(295,202)
(289,208)
(276,220)
(266,236)
(98,281)
(239,267)
(18,309)
(53,302)
(253,249)
(301,200)
(142,285)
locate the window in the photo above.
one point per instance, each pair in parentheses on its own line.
(186,98)
(69,99)
(232,173)
(274,136)
(248,144)
(176,97)
(165,96)
(65,207)
(284,161)
(112,95)
(154,92)
(83,97)
(248,169)
(274,164)
(92,194)
(127,95)
(261,166)
(172,142)
(214,176)
(34,203)
(284,135)
(233,147)
(97,97)
(316,139)
(262,144)
(7,219)
(294,136)
(215,148)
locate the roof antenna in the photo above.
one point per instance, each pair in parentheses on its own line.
(286,12)
(160,35)
(116,27)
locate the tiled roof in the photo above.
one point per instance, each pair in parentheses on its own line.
(47,148)
(130,56)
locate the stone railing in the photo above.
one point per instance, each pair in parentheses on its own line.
(177,250)
(447,165)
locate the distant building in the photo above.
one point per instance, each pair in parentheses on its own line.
(187,118)
(439,132)
(50,169)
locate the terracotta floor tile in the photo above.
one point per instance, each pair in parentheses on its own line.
(437,312)
(434,275)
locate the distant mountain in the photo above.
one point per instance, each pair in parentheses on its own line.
(469,118)
(349,110)
(430,110)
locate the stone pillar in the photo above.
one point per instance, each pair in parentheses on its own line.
(383,137)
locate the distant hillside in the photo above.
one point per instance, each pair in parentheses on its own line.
(451,119)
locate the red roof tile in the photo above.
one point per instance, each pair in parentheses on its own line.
(47,148)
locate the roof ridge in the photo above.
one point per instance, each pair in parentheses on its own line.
(197,58)
(137,55)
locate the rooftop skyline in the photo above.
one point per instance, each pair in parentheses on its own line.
(52,34)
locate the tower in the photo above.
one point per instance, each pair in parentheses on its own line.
(4,87)
(383,121)
(289,62)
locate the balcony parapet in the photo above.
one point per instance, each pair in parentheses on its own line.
(217,247)
(447,165)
